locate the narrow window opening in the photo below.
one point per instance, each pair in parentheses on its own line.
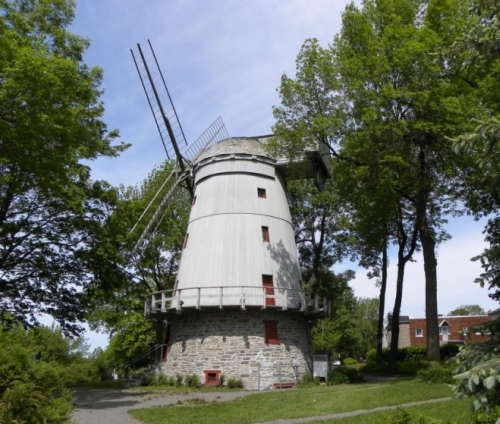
(261,192)
(265,234)
(194,201)
(271,332)
(185,241)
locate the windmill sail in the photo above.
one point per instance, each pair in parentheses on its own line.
(213,134)
(168,198)
(160,102)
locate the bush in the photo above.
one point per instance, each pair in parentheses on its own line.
(192,380)
(307,380)
(490,417)
(401,368)
(31,391)
(449,350)
(234,383)
(350,361)
(178,380)
(401,416)
(436,373)
(343,375)
(414,353)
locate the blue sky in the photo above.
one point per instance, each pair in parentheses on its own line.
(225,58)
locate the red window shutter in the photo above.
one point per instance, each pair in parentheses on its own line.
(271,332)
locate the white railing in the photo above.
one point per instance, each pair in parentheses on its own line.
(167,301)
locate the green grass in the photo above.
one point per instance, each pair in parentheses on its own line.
(300,403)
(456,410)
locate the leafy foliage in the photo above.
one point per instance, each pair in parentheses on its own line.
(51,213)
(478,373)
(468,310)
(436,373)
(343,375)
(31,391)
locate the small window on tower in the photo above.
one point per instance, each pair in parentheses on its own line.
(185,241)
(261,192)
(212,377)
(194,201)
(265,234)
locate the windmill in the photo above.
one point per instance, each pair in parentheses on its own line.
(238,308)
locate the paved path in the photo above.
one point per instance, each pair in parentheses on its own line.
(111,406)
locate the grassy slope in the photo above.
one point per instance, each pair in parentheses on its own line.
(300,403)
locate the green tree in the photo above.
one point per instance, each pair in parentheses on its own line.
(367,311)
(340,333)
(51,213)
(388,102)
(120,311)
(30,391)
(481,67)
(468,310)
(321,226)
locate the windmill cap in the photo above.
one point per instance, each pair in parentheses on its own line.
(236,145)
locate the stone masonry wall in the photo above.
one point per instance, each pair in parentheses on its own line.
(232,341)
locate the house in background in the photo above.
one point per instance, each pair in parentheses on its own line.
(452,329)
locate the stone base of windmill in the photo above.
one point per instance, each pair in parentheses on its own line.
(265,349)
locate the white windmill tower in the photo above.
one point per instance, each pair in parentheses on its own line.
(237,308)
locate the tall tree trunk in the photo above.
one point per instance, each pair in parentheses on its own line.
(381,308)
(431,308)
(393,355)
(410,244)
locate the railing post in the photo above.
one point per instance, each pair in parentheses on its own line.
(220,297)
(316,303)
(179,301)
(303,305)
(198,298)
(264,297)
(242,298)
(285,307)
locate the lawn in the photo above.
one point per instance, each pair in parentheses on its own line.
(311,402)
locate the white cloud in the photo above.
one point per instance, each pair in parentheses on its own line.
(456,274)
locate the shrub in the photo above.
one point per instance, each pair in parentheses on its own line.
(31,391)
(491,417)
(413,353)
(307,380)
(401,368)
(478,374)
(350,361)
(178,380)
(436,373)
(192,380)
(401,416)
(234,383)
(449,350)
(343,375)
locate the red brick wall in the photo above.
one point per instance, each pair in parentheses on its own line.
(457,323)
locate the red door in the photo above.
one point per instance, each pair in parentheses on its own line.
(267,282)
